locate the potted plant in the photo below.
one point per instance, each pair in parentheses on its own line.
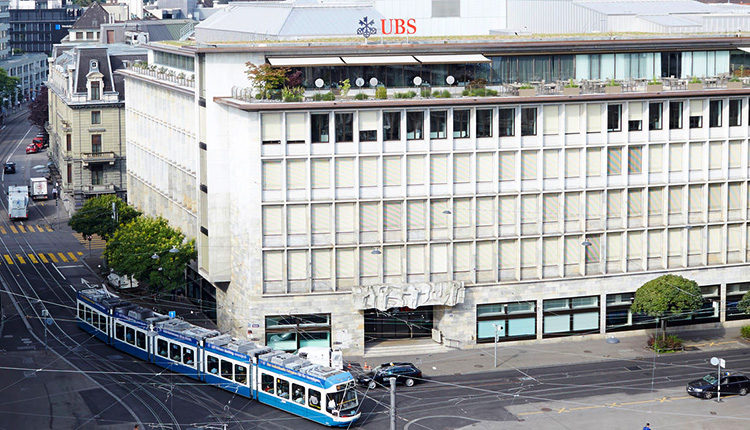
(695,84)
(526,90)
(613,87)
(734,84)
(654,86)
(571,88)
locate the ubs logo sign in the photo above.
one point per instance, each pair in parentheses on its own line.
(387,26)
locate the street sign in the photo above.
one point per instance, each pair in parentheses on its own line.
(718,362)
(172,314)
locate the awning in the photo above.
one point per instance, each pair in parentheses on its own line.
(305,61)
(746,49)
(459,58)
(378,60)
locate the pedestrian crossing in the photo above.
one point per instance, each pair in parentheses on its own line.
(26,228)
(96,241)
(40,257)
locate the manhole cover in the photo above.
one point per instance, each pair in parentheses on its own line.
(478,365)
(546,410)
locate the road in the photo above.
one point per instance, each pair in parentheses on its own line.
(80,383)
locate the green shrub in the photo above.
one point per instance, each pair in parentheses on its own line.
(360,96)
(327,97)
(479,92)
(406,95)
(381,93)
(667,343)
(426,93)
(571,84)
(695,80)
(613,83)
(445,94)
(745,331)
(293,94)
(525,87)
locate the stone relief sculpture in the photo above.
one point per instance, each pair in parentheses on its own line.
(414,295)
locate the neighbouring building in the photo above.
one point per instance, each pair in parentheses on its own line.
(37,30)
(531,209)
(87,119)
(87,28)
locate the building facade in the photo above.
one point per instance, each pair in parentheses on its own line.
(87,120)
(36,30)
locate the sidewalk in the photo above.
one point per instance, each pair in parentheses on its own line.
(555,352)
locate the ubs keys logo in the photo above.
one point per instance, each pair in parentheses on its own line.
(399,26)
(367,28)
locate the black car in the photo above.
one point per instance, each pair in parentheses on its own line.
(706,387)
(405,373)
(9,167)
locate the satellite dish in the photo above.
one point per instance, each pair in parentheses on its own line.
(450,80)
(373,82)
(319,83)
(359,82)
(417,81)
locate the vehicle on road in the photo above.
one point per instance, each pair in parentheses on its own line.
(121,282)
(275,378)
(38,188)
(38,142)
(405,373)
(707,386)
(9,167)
(18,202)
(31,149)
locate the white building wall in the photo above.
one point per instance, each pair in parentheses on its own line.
(477,17)
(553,17)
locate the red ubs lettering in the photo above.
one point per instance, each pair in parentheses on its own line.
(398,26)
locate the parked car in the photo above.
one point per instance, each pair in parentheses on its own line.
(405,373)
(38,141)
(121,282)
(31,149)
(706,387)
(9,167)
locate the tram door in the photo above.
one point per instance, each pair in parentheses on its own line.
(398,323)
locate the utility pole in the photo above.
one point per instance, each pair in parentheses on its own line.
(393,403)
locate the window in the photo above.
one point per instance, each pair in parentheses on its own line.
(161,348)
(266,383)
(696,113)
(507,119)
(414,125)
(240,374)
(320,127)
(175,352)
(188,356)
(368,126)
(614,161)
(226,369)
(735,109)
(528,121)
(438,124)
(460,123)
(68,142)
(391,125)
(129,335)
(714,113)
(635,160)
(97,174)
(270,128)
(313,398)
(594,118)
(96,143)
(95,91)
(654,116)
(344,127)
(96,117)
(295,128)
(282,388)
(614,118)
(140,340)
(675,115)
(484,122)
(635,116)
(551,115)
(509,321)
(298,394)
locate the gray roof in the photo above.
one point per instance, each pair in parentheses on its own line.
(291,18)
(94,17)
(673,20)
(664,7)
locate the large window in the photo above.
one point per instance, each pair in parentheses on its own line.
(675,115)
(95,93)
(614,118)
(506,118)
(735,110)
(391,125)
(714,113)
(291,332)
(654,116)
(696,113)
(368,126)
(97,174)
(528,121)
(344,127)
(415,125)
(509,321)
(563,317)
(484,122)
(438,124)
(96,117)
(461,123)
(320,127)
(96,143)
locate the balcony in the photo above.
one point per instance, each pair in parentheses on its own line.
(98,157)
(98,189)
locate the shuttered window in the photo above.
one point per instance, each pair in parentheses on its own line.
(392,171)
(345,263)
(675,157)
(572,250)
(321,173)
(368,172)
(528,165)
(415,170)
(572,119)
(734,191)
(270,127)
(528,253)
(462,213)
(345,218)
(415,215)
(695,242)
(368,120)
(593,162)
(529,209)
(297,265)
(714,156)
(321,262)
(735,154)
(368,217)
(507,208)
(655,158)
(614,247)
(572,163)
(438,169)
(594,118)
(572,206)
(696,107)
(344,172)
(674,245)
(438,219)
(696,156)
(635,203)
(551,251)
(273,262)
(714,198)
(508,254)
(614,203)
(296,130)
(273,220)
(655,205)
(695,198)
(462,257)
(296,217)
(392,215)
(614,161)
(675,200)
(551,164)
(734,238)
(635,160)
(635,244)
(462,168)
(594,205)
(507,166)
(272,176)
(485,256)
(551,210)
(485,167)
(415,259)
(439,259)
(485,211)
(551,119)
(368,263)
(296,174)
(321,219)
(654,243)
(392,261)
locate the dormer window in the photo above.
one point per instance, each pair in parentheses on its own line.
(95,91)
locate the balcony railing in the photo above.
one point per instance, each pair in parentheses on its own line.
(98,189)
(98,157)
(164,74)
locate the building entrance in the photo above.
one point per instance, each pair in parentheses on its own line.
(398,323)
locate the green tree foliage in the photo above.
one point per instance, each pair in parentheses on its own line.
(666,296)
(266,79)
(95,216)
(132,249)
(39,109)
(8,84)
(744,304)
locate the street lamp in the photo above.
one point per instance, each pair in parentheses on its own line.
(498,328)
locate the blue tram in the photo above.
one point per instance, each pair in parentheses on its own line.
(279,379)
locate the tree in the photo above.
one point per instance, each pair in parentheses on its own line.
(143,248)
(744,304)
(666,296)
(265,78)
(8,84)
(96,216)
(39,109)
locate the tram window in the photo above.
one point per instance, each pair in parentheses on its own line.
(313,399)
(130,335)
(266,383)
(99,321)
(161,347)
(282,388)
(240,374)
(298,394)
(81,311)
(88,315)
(212,365)
(95,319)
(119,332)
(175,352)
(140,339)
(188,356)
(226,369)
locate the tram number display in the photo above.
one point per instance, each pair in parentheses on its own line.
(347,386)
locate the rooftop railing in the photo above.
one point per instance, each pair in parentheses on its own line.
(164,74)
